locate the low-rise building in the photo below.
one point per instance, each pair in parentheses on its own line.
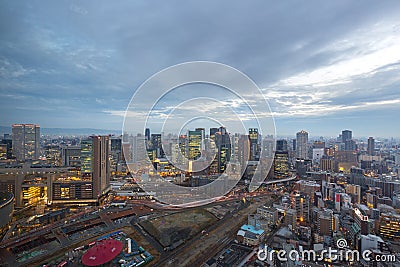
(250,236)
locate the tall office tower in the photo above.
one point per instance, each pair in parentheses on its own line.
(371,146)
(346,135)
(243,150)
(194,144)
(7,140)
(302,144)
(203,136)
(235,146)
(294,144)
(26,141)
(157,145)
(254,144)
(95,154)
(147,134)
(86,158)
(223,144)
(212,133)
(267,147)
(127,149)
(176,153)
(138,147)
(281,164)
(115,152)
(183,145)
(281,145)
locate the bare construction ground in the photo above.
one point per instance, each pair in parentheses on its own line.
(178,227)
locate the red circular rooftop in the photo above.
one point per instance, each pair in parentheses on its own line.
(105,251)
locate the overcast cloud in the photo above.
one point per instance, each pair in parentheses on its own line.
(323,65)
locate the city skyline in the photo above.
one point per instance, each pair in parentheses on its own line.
(207,133)
(85,132)
(66,66)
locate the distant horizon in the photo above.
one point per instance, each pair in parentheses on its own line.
(115,131)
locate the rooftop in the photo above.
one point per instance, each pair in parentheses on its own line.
(105,251)
(251,229)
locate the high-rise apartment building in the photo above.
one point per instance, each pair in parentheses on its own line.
(325,221)
(301,203)
(371,146)
(26,141)
(101,164)
(302,144)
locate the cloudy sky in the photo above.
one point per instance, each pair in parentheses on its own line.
(322,65)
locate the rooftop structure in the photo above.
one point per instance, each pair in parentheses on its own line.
(105,251)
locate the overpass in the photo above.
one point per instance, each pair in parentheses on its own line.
(280,180)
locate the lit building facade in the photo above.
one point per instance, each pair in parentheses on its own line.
(26,141)
(95,163)
(194,144)
(254,144)
(389,226)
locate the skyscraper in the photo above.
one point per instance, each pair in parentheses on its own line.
(156,144)
(223,144)
(116,152)
(371,146)
(281,164)
(254,146)
(302,144)
(212,133)
(87,158)
(194,145)
(101,165)
(95,154)
(26,141)
(346,135)
(243,150)
(281,145)
(7,140)
(147,134)
(203,136)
